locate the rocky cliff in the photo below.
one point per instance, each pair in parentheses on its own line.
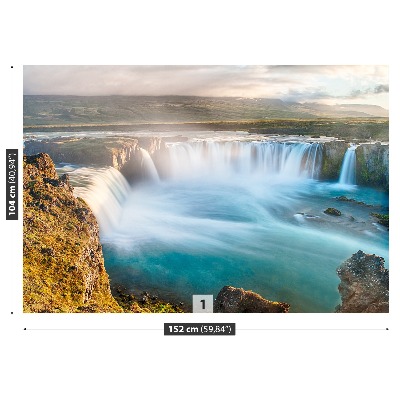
(364,286)
(332,158)
(126,155)
(372,165)
(96,151)
(63,267)
(123,153)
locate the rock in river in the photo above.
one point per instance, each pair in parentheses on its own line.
(364,285)
(333,211)
(238,300)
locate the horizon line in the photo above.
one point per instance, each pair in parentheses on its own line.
(204,97)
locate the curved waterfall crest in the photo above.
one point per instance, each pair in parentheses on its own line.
(225,158)
(245,210)
(105,190)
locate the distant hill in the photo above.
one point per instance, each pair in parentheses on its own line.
(349,110)
(77,110)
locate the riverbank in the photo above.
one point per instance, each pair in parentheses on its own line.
(362,129)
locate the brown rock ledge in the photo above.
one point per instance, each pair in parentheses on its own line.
(364,286)
(63,266)
(238,300)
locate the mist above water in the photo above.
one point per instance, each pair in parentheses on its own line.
(228,159)
(246,214)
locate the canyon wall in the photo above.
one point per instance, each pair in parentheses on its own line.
(372,165)
(63,266)
(126,155)
(332,158)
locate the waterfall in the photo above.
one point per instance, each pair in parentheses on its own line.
(104,190)
(242,211)
(148,166)
(224,159)
(348,170)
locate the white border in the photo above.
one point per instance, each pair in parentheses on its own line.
(283,363)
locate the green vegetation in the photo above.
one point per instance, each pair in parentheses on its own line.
(332,158)
(333,211)
(353,129)
(347,199)
(372,165)
(382,219)
(63,269)
(144,303)
(185,113)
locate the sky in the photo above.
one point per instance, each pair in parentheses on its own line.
(326,84)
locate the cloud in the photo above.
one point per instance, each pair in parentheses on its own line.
(289,82)
(381,89)
(308,94)
(152,80)
(357,93)
(376,90)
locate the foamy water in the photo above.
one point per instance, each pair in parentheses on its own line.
(242,213)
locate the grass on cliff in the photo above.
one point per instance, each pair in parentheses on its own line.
(382,219)
(60,252)
(143,303)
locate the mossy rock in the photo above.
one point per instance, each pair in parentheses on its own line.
(332,158)
(63,266)
(333,211)
(109,151)
(372,165)
(382,219)
(144,303)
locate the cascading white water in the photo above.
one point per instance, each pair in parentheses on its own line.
(228,212)
(148,166)
(223,159)
(104,190)
(348,170)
